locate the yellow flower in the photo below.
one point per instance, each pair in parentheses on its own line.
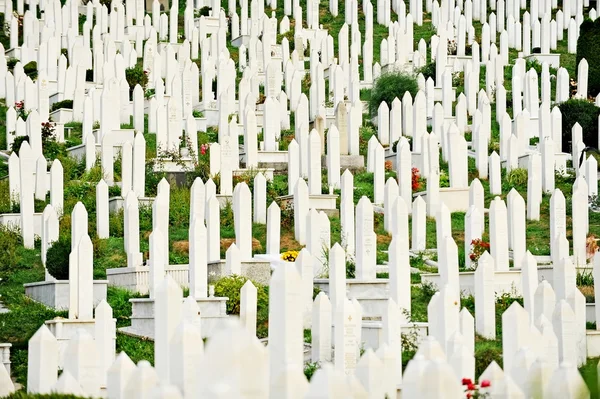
(289,256)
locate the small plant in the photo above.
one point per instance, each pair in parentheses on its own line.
(517,177)
(591,246)
(474,391)
(310,368)
(452,47)
(586,114)
(478,247)
(67,104)
(149,93)
(135,76)
(416,179)
(197,114)
(584,279)
(428,70)
(57,259)
(20,108)
(289,256)
(48,129)
(31,70)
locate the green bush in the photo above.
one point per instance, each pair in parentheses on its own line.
(30,70)
(231,286)
(390,85)
(16,144)
(588,44)
(584,113)
(428,70)
(67,104)
(9,243)
(135,76)
(57,259)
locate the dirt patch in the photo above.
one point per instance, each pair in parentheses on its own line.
(383,239)
(182,247)
(226,243)
(588,292)
(288,242)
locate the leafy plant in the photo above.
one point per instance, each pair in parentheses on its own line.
(428,70)
(149,93)
(310,369)
(478,247)
(517,177)
(231,286)
(20,109)
(586,114)
(31,70)
(57,259)
(587,47)
(67,104)
(135,76)
(390,85)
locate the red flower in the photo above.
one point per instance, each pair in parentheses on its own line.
(466,381)
(471,387)
(469,395)
(485,383)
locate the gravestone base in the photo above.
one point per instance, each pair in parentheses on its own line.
(242,39)
(458,62)
(257,270)
(201,124)
(456,199)
(352,162)
(372,332)
(64,329)
(116,137)
(135,279)
(275,160)
(13,221)
(437,94)
(552,59)
(55,294)
(212,312)
(14,52)
(62,115)
(560,161)
(372,295)
(5,356)
(115,204)
(170,166)
(504,281)
(211,113)
(210,24)
(321,202)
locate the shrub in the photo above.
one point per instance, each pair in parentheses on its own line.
(135,76)
(389,86)
(67,104)
(231,286)
(30,70)
(10,241)
(584,113)
(428,70)
(16,144)
(587,47)
(57,259)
